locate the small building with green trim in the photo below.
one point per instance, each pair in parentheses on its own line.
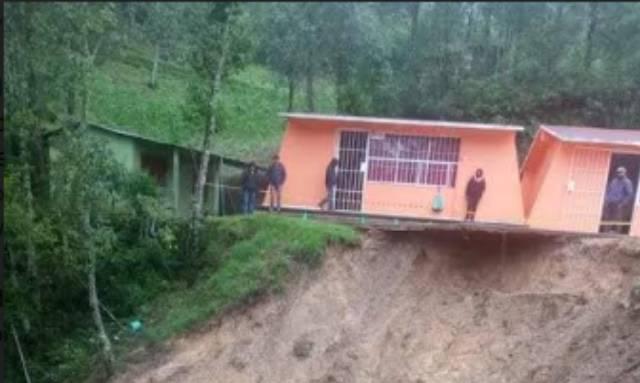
(173,167)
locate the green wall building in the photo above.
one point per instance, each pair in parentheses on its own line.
(173,167)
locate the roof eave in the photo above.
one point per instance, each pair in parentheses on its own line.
(634,144)
(379,120)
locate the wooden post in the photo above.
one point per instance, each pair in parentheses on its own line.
(215,196)
(175,179)
(221,190)
(503,248)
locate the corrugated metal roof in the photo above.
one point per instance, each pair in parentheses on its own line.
(589,135)
(125,133)
(405,122)
(226,160)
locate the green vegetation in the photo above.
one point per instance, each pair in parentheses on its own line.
(142,269)
(244,257)
(82,236)
(250,125)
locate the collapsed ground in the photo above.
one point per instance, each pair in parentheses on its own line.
(414,307)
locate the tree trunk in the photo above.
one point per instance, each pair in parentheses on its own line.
(154,69)
(71,100)
(341,79)
(131,12)
(593,22)
(310,46)
(208,133)
(415,18)
(410,99)
(309,74)
(469,25)
(446,59)
(107,351)
(13,279)
(32,256)
(486,50)
(23,360)
(87,65)
(292,90)
(84,104)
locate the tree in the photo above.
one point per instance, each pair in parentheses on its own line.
(219,48)
(161,27)
(283,43)
(87,27)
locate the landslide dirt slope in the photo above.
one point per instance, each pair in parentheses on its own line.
(409,307)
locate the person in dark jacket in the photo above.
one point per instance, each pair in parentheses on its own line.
(276,175)
(473,193)
(618,198)
(250,182)
(330,181)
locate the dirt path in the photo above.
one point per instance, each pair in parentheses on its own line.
(407,308)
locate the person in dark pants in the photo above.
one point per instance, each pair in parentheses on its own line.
(474,191)
(330,181)
(618,199)
(276,175)
(249,188)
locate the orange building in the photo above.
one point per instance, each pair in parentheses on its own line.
(395,167)
(566,173)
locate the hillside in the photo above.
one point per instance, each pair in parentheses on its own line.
(251,101)
(423,308)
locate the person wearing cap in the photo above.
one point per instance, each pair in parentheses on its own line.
(618,198)
(276,175)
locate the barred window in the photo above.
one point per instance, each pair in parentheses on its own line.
(413,159)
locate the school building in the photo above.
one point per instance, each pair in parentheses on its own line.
(395,167)
(566,173)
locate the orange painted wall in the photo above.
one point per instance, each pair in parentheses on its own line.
(305,151)
(536,168)
(553,205)
(492,151)
(308,145)
(635,222)
(547,209)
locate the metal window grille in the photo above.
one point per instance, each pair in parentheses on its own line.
(352,154)
(418,160)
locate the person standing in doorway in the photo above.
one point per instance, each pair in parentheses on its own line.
(249,188)
(618,199)
(330,181)
(475,189)
(276,175)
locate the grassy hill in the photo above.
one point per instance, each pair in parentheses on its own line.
(251,101)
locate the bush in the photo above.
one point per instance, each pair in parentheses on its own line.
(244,257)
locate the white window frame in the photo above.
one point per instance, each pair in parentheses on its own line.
(424,163)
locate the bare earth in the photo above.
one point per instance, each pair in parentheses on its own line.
(406,307)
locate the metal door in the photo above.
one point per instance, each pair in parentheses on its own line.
(582,207)
(352,155)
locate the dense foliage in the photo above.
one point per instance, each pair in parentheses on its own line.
(573,63)
(86,240)
(565,63)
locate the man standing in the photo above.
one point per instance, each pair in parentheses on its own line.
(618,198)
(249,188)
(330,181)
(474,191)
(276,174)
